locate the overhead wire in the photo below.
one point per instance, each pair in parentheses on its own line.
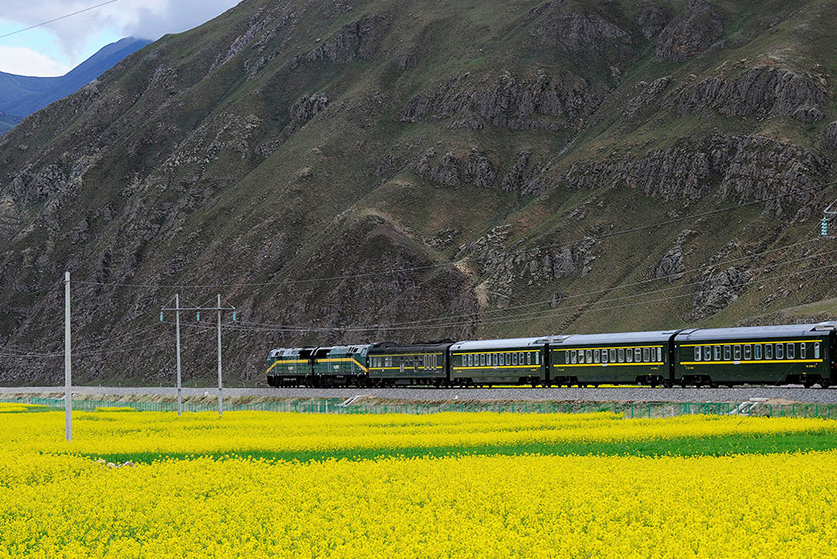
(379,273)
(59,18)
(516,318)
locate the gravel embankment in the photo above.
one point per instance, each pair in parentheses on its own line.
(609,394)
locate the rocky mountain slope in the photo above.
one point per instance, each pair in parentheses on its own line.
(23,95)
(348,171)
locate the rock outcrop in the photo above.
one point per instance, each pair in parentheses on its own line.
(545,103)
(691,33)
(562,25)
(761,91)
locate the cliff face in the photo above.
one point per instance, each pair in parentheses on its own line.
(367,170)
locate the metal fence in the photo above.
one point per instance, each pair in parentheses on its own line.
(336,406)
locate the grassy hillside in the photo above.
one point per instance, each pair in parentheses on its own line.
(378,170)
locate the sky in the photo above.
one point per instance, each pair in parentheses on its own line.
(56,48)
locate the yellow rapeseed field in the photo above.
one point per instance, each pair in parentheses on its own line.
(57,501)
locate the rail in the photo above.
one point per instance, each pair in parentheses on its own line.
(630,410)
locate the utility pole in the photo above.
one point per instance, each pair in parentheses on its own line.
(177,308)
(68,365)
(220,382)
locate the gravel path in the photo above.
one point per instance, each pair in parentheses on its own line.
(608,394)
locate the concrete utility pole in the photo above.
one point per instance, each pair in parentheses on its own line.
(68,365)
(177,308)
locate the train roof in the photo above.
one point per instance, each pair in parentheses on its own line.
(616,338)
(481,345)
(757,332)
(391,347)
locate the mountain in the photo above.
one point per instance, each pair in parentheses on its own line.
(364,170)
(7,122)
(23,95)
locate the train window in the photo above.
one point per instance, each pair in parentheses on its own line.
(736,352)
(482,360)
(660,354)
(537,358)
(573,357)
(520,358)
(612,355)
(588,356)
(646,354)
(629,355)
(816,350)
(621,352)
(716,353)
(495,360)
(803,350)
(638,355)
(388,360)
(748,352)
(697,353)
(727,353)
(528,358)
(597,356)
(604,356)
(791,351)
(502,359)
(780,351)
(768,351)
(757,352)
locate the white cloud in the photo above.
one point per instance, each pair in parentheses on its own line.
(145,19)
(26,62)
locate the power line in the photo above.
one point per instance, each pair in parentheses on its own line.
(505,320)
(380,273)
(445,321)
(58,18)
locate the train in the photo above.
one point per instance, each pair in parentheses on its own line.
(767,355)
